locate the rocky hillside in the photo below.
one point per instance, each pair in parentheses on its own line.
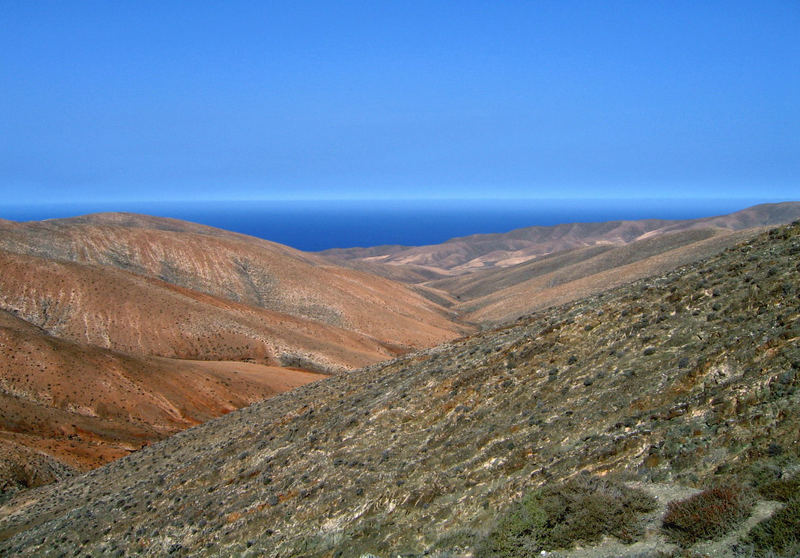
(666,385)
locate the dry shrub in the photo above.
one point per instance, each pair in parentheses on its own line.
(779,534)
(581,509)
(707,515)
(782,490)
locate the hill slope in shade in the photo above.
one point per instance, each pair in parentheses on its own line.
(681,379)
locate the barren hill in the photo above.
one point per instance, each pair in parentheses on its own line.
(501,294)
(466,254)
(238,268)
(87,305)
(138,315)
(489,279)
(83,406)
(666,385)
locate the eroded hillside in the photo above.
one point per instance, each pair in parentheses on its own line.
(494,278)
(237,268)
(117,330)
(686,379)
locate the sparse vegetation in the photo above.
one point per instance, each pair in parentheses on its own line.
(707,515)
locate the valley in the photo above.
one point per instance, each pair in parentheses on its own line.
(684,380)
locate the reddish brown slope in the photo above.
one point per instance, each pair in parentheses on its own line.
(84,405)
(142,316)
(239,268)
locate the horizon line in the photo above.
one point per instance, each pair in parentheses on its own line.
(754,199)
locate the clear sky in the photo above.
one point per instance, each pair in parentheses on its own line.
(170,100)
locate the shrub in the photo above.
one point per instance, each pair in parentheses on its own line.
(782,490)
(581,509)
(707,515)
(763,472)
(777,534)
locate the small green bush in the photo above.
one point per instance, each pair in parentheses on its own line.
(779,534)
(581,509)
(707,515)
(518,533)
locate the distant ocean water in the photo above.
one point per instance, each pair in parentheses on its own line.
(320,225)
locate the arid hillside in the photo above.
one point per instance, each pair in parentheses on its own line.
(237,268)
(493,278)
(118,330)
(143,316)
(498,295)
(73,406)
(481,251)
(576,425)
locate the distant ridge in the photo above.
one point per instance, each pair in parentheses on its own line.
(470,253)
(493,278)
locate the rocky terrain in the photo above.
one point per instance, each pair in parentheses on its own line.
(666,385)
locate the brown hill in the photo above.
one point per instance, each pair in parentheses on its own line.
(668,384)
(87,303)
(499,295)
(84,406)
(138,315)
(494,278)
(238,268)
(466,254)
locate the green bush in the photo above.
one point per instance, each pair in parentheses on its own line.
(777,534)
(581,509)
(518,533)
(707,515)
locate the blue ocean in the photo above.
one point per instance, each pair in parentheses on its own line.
(319,225)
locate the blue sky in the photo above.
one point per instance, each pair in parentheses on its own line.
(120,101)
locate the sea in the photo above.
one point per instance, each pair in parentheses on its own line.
(322,224)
